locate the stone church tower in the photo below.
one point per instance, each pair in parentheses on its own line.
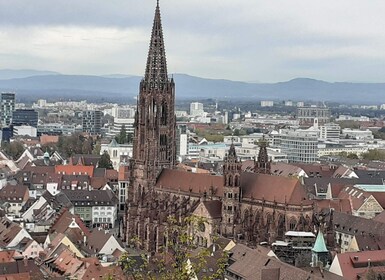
(154,139)
(262,165)
(232,169)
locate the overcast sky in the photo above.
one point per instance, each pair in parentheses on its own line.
(246,40)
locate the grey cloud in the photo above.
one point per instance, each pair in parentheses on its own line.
(243,40)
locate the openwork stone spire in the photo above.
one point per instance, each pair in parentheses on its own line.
(156,69)
(262,165)
(155,137)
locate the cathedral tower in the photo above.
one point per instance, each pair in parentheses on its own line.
(154,139)
(231,194)
(262,165)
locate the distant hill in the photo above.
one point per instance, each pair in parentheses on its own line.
(6,74)
(31,85)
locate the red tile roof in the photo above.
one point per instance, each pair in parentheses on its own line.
(356,263)
(273,188)
(63,221)
(74,170)
(195,183)
(10,192)
(340,205)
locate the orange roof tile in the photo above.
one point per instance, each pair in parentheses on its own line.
(74,170)
(195,183)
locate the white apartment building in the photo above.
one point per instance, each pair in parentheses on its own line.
(196,109)
(102,215)
(267,103)
(182,141)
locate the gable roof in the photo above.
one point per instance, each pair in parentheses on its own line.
(74,170)
(273,188)
(194,183)
(64,220)
(253,264)
(9,192)
(354,264)
(214,208)
(96,240)
(354,225)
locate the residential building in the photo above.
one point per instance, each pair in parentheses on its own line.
(182,140)
(353,234)
(11,234)
(102,243)
(258,264)
(123,182)
(356,265)
(14,198)
(7,108)
(97,208)
(196,109)
(92,122)
(267,103)
(363,203)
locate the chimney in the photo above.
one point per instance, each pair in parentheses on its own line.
(85,239)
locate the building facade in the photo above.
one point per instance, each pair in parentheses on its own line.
(196,109)
(7,108)
(299,146)
(306,115)
(25,117)
(92,122)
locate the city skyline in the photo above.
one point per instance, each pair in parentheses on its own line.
(246,41)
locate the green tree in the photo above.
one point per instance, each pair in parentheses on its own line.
(105,161)
(96,149)
(374,154)
(122,137)
(352,156)
(14,149)
(130,138)
(178,260)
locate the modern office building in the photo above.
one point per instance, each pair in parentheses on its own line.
(299,146)
(117,126)
(330,131)
(25,117)
(92,122)
(7,107)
